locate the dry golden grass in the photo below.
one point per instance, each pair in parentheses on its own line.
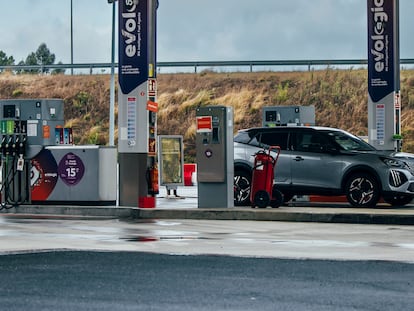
(339,97)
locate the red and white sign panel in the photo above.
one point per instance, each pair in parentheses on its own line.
(204,124)
(152,87)
(152,106)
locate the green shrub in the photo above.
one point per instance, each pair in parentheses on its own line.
(17,93)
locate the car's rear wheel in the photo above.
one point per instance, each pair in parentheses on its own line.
(277,198)
(287,197)
(242,186)
(399,200)
(362,190)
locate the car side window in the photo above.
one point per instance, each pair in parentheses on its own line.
(255,140)
(274,139)
(309,142)
(301,141)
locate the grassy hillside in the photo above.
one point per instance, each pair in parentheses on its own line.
(339,97)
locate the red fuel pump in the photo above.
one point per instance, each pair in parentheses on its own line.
(262,192)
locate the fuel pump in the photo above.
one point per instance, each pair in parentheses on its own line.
(14,175)
(25,129)
(215,156)
(288,115)
(40,163)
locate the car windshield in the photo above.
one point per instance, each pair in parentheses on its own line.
(347,141)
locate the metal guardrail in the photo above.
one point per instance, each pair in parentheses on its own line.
(208,64)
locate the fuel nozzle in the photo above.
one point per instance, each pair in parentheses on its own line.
(8,145)
(21,146)
(3,145)
(15,145)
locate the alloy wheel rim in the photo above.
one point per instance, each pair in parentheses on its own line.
(361,190)
(241,188)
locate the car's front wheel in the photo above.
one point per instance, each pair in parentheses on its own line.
(242,186)
(362,190)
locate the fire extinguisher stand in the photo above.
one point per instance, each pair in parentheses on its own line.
(262,193)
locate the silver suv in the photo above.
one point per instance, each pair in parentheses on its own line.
(325,161)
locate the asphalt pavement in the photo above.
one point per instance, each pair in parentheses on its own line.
(127,258)
(103,281)
(185,206)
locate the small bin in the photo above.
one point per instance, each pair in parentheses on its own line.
(189,170)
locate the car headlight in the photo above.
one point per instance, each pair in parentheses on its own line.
(393,162)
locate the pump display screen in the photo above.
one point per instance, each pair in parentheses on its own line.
(9,111)
(271,115)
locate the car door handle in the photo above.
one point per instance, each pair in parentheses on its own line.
(298,158)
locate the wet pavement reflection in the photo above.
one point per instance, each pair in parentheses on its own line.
(237,238)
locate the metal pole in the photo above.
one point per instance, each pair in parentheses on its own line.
(397,100)
(71,36)
(112,86)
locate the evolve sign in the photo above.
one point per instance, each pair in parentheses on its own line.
(133,41)
(381,71)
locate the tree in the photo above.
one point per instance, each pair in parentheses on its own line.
(31,60)
(44,56)
(41,57)
(58,70)
(5,60)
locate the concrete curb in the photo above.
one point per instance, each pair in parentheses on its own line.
(401,216)
(80,211)
(279,215)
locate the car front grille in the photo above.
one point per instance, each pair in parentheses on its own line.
(397,178)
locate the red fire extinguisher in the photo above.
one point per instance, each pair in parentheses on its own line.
(262,192)
(153,187)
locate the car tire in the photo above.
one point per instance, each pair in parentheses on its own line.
(399,200)
(242,186)
(362,190)
(277,198)
(287,197)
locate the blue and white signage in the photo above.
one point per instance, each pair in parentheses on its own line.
(383,72)
(133,52)
(380,49)
(133,71)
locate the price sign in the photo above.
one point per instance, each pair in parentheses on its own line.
(71,169)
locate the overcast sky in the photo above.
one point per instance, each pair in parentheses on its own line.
(202,29)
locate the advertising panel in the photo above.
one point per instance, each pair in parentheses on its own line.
(133,55)
(133,39)
(380,49)
(171,160)
(137,106)
(383,72)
